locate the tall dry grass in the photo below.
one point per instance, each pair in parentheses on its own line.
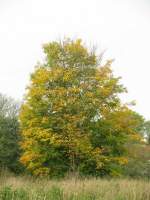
(72,189)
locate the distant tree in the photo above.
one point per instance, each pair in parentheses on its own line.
(72,118)
(146,131)
(9,137)
(139,161)
(8,107)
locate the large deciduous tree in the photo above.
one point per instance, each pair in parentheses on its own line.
(72,118)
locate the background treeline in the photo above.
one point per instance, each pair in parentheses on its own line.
(9,135)
(72,120)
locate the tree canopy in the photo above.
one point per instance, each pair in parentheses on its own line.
(72,119)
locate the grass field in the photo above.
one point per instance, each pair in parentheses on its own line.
(26,188)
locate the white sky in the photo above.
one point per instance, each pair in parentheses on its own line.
(120,26)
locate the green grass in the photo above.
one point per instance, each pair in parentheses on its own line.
(27,188)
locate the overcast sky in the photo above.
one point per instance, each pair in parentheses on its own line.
(121,27)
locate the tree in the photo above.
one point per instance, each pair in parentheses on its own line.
(9,137)
(146,131)
(139,161)
(8,107)
(72,118)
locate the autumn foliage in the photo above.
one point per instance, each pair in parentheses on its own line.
(72,119)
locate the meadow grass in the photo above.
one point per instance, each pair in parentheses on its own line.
(28,188)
